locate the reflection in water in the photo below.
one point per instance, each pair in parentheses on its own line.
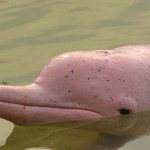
(109,133)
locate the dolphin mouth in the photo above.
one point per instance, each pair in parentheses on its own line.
(24,114)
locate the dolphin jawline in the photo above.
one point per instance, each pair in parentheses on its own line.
(25,106)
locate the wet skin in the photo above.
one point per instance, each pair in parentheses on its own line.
(82,85)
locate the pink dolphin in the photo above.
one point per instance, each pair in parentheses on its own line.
(82,85)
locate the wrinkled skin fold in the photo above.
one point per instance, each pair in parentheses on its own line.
(82,85)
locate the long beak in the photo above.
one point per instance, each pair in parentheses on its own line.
(15,102)
(30,105)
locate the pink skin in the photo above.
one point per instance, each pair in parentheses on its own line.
(82,85)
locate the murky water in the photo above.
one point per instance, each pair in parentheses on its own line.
(34,31)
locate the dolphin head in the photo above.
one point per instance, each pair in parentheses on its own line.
(82,85)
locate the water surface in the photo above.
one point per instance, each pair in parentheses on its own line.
(34,31)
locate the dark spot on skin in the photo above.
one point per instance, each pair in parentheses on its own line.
(111,98)
(72,71)
(68,64)
(122,80)
(106,52)
(79,103)
(69,91)
(95,96)
(66,76)
(91,68)
(98,70)
(124,111)
(108,80)
(108,90)
(55,104)
(83,60)
(24,107)
(89,78)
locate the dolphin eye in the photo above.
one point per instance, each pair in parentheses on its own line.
(124,111)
